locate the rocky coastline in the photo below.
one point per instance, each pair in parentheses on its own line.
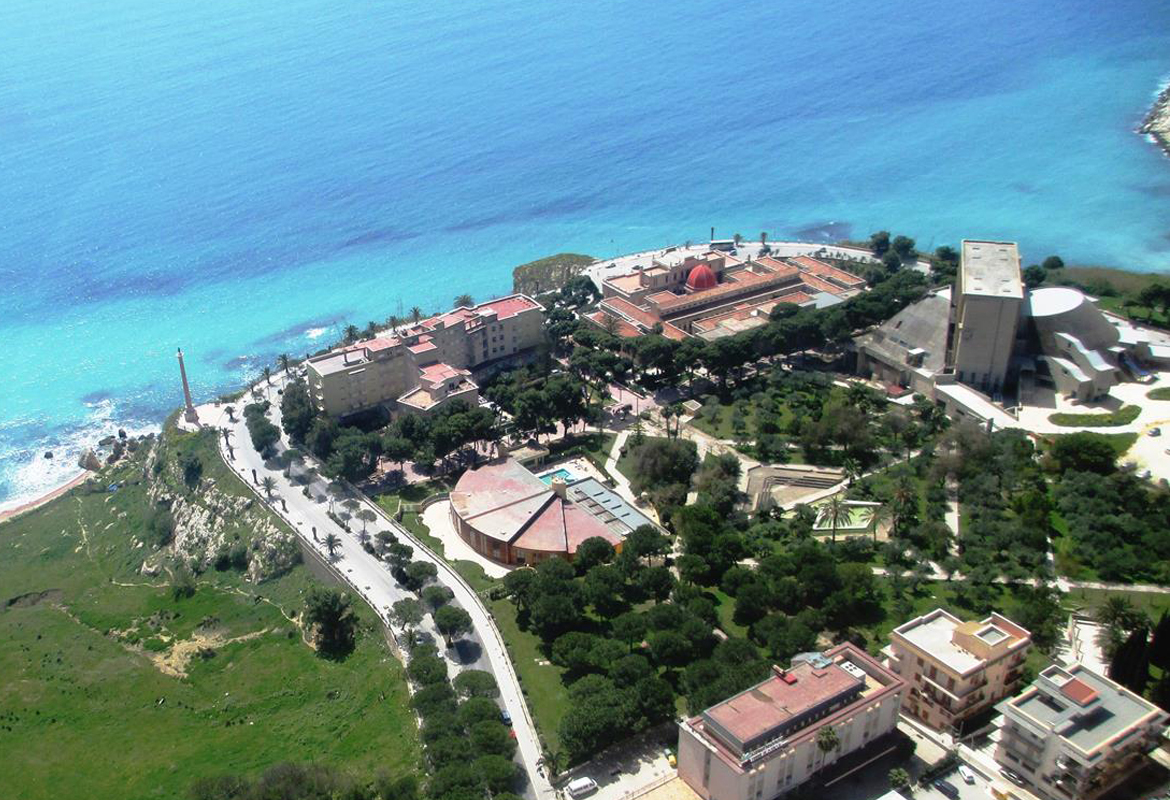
(1157,121)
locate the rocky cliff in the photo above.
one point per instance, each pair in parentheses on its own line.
(1157,121)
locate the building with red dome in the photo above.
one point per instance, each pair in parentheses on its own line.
(715,294)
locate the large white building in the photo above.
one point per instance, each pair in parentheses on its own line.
(987,299)
(424,366)
(762,743)
(1073,734)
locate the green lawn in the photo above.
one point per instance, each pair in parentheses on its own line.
(625,463)
(725,608)
(1112,419)
(1153,603)
(548,698)
(1161,393)
(85,712)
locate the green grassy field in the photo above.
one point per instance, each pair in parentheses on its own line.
(1161,393)
(112,687)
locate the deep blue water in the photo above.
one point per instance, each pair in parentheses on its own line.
(241,177)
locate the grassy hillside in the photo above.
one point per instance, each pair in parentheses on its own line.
(1117,289)
(548,274)
(112,687)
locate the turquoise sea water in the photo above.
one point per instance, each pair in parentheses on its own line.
(240,178)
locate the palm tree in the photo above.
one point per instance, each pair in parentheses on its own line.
(415,314)
(393,321)
(268,375)
(878,515)
(836,512)
(464,300)
(269,484)
(554,761)
(332,543)
(852,469)
(230,411)
(827,741)
(283,359)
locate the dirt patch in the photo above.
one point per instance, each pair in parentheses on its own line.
(202,644)
(32,598)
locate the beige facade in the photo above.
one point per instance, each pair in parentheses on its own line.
(1074,734)
(956,669)
(421,367)
(762,743)
(988,299)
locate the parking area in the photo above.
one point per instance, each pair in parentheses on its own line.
(633,768)
(979,790)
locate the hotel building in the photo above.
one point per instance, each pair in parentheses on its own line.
(428,364)
(762,742)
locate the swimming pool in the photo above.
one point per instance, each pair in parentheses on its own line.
(561,473)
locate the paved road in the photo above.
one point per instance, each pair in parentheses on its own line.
(369,577)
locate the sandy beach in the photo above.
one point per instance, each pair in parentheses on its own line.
(16,511)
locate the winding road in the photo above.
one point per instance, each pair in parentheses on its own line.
(370,578)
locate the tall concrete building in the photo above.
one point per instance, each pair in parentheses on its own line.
(762,743)
(986,302)
(1074,735)
(956,669)
(424,366)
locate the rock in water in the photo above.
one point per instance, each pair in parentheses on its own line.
(48,454)
(89,460)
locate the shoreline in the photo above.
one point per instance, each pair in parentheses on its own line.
(53,494)
(1156,123)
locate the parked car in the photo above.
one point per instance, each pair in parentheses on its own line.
(966,774)
(505,717)
(579,787)
(1012,776)
(947,788)
(1155,431)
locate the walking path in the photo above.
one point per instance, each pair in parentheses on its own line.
(371,579)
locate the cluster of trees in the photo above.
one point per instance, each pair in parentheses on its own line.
(538,399)
(468,747)
(892,251)
(440,436)
(263,433)
(305,782)
(1134,650)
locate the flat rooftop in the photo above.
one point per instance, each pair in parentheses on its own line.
(991,269)
(933,633)
(1082,707)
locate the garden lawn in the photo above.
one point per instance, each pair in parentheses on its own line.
(541,681)
(1112,419)
(85,712)
(1161,393)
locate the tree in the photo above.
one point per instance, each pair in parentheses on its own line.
(269,484)
(192,467)
(879,243)
(630,628)
(231,410)
(329,611)
(657,582)
(331,544)
(415,314)
(322,433)
(419,574)
(1053,262)
(591,552)
(1084,451)
(262,432)
(297,411)
(476,683)
(899,779)
(836,512)
(497,772)
(1034,276)
(452,622)
(464,301)
(397,449)
(1160,646)
(670,649)
(428,670)
(1130,665)
(407,612)
(437,596)
(366,516)
(891,261)
(398,555)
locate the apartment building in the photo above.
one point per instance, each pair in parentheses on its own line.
(1074,734)
(425,365)
(762,743)
(956,669)
(987,301)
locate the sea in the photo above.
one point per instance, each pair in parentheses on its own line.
(244,178)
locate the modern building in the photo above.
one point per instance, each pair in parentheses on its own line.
(423,366)
(956,669)
(1074,734)
(762,742)
(509,515)
(715,294)
(987,301)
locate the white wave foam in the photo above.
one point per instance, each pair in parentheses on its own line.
(30,475)
(315,333)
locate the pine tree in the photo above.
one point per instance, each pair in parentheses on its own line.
(1131,663)
(1160,646)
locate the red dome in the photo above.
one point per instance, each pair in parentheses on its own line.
(701,277)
